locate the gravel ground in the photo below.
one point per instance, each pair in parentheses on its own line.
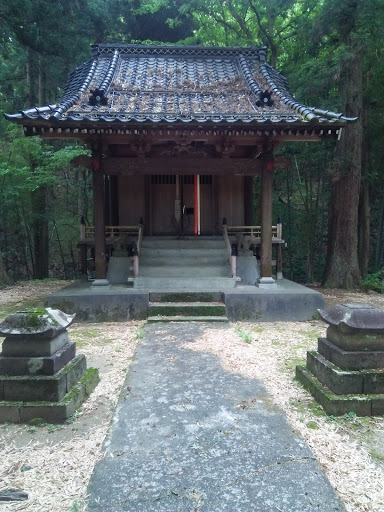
(53,463)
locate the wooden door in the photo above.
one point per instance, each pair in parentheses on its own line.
(163,197)
(163,193)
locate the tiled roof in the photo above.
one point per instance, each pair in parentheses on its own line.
(139,83)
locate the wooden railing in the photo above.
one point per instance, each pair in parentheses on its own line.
(248,236)
(112,236)
(111,231)
(253,231)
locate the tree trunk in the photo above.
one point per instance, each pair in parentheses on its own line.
(342,268)
(40,232)
(364,229)
(4,279)
(31,78)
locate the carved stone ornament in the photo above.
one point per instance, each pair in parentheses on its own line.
(41,322)
(354,317)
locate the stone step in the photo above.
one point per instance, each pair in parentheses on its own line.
(183,259)
(178,271)
(162,319)
(43,388)
(184,283)
(51,412)
(188,309)
(193,243)
(181,296)
(337,405)
(343,382)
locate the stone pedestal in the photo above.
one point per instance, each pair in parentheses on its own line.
(40,374)
(346,374)
(247,268)
(267,282)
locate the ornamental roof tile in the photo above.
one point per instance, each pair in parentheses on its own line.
(140,83)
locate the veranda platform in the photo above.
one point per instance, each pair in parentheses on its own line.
(287,301)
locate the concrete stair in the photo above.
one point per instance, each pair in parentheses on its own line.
(184,264)
(186,307)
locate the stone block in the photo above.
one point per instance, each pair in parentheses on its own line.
(33,346)
(51,388)
(77,372)
(350,360)
(34,389)
(335,405)
(355,340)
(340,382)
(373,381)
(355,326)
(9,413)
(55,412)
(378,406)
(48,365)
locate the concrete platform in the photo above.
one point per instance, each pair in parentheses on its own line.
(287,301)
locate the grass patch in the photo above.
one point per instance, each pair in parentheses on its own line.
(139,333)
(84,337)
(313,425)
(245,336)
(92,333)
(311,407)
(13,307)
(311,334)
(379,457)
(290,364)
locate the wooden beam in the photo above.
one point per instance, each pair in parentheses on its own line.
(118,133)
(217,166)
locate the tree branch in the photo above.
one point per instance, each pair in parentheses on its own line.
(239,20)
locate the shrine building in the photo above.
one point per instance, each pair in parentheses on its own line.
(177,135)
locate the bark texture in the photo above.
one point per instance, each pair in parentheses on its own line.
(40,232)
(343,269)
(4,279)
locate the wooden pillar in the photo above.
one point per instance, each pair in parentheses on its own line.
(83,258)
(279,263)
(266,279)
(248,201)
(99,223)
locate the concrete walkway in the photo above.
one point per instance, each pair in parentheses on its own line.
(190,436)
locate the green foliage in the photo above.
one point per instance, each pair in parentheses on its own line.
(375,281)
(139,333)
(77,506)
(30,169)
(245,336)
(310,41)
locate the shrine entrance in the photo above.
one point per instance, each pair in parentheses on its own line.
(182,205)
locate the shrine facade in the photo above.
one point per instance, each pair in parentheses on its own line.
(177,134)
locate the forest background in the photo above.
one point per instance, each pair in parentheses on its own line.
(331,198)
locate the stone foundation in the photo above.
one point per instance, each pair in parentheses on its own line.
(40,374)
(346,373)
